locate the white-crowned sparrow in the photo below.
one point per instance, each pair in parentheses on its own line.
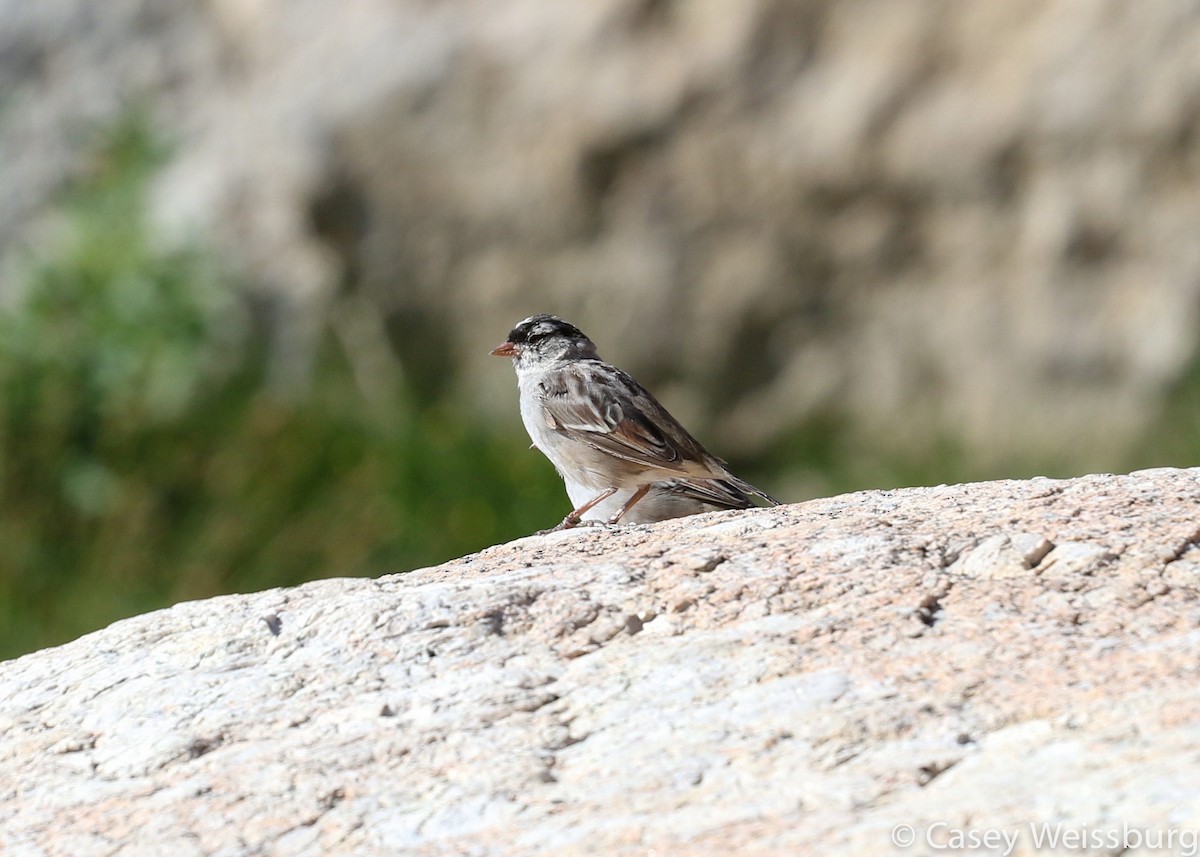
(622,456)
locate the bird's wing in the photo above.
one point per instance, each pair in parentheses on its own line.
(600,405)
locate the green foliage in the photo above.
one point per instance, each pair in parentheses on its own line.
(143,460)
(837,457)
(1173,439)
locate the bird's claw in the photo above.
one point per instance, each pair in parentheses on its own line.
(568,523)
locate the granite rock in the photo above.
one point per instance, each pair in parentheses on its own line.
(806,679)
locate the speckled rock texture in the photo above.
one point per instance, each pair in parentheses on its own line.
(800,680)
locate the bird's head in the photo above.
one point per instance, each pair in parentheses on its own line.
(542,340)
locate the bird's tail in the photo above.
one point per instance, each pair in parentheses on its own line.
(746,487)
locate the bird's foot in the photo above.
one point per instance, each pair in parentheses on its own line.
(565,524)
(569,523)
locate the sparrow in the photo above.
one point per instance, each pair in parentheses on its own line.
(622,456)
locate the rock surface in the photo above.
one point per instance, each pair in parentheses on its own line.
(980,210)
(795,680)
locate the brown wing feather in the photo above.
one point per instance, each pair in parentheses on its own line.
(591,412)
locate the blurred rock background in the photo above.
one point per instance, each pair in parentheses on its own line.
(253,254)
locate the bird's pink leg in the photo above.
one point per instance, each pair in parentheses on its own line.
(573,519)
(637,495)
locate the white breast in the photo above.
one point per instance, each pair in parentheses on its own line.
(534,418)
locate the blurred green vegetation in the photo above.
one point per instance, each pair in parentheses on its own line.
(144,460)
(1173,439)
(837,456)
(832,456)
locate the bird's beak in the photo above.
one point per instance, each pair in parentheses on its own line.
(504,349)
